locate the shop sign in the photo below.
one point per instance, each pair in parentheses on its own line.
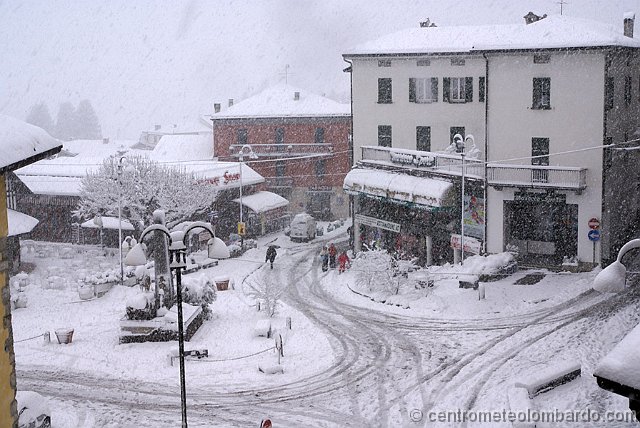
(376,222)
(226,178)
(474,213)
(471,245)
(540,197)
(320,189)
(413,159)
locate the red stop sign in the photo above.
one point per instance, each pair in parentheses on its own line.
(594,223)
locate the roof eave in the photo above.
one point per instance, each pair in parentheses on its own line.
(30,160)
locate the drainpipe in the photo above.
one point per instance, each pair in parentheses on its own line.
(356,233)
(486,146)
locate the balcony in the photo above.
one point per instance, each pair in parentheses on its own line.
(539,177)
(441,164)
(283,150)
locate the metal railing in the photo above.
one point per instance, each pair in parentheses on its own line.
(537,176)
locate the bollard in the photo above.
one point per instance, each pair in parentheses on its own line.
(288,321)
(481,291)
(47,337)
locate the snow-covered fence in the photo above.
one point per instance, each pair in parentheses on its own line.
(550,377)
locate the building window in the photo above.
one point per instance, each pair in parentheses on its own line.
(280,168)
(481,88)
(319,136)
(241,136)
(423,90)
(423,62)
(627,90)
(384,135)
(457,61)
(423,138)
(609,91)
(452,133)
(540,157)
(541,59)
(321,167)
(384,63)
(384,90)
(279,135)
(541,93)
(457,89)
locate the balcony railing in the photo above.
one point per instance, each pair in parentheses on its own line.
(285,149)
(432,162)
(535,176)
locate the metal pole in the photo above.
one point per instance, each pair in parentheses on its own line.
(183,389)
(462,213)
(119,170)
(241,158)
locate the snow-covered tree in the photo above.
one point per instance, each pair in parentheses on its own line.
(87,125)
(267,292)
(146,186)
(39,116)
(65,127)
(376,271)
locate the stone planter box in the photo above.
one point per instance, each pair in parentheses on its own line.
(64,335)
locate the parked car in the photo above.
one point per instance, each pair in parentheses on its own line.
(303,228)
(33,410)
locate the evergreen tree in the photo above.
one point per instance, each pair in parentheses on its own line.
(65,127)
(39,116)
(87,124)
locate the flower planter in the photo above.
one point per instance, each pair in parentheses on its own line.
(222,283)
(64,335)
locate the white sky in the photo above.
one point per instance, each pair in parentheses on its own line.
(166,62)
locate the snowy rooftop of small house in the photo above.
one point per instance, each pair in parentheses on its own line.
(279,101)
(622,363)
(97,148)
(555,31)
(183,147)
(20,223)
(20,141)
(108,223)
(263,201)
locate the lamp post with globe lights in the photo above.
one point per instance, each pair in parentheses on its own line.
(249,151)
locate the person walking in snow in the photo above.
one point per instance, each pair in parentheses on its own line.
(343,261)
(333,251)
(271,255)
(324,256)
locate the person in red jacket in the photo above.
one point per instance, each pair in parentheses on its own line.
(343,261)
(333,251)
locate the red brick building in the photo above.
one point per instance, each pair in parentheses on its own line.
(302,141)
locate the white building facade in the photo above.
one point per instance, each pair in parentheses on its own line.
(544,102)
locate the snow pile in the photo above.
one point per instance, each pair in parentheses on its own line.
(621,364)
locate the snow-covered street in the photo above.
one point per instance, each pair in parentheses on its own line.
(348,361)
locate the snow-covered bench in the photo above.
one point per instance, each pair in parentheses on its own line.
(550,377)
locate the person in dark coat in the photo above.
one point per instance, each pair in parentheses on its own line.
(271,255)
(333,251)
(324,256)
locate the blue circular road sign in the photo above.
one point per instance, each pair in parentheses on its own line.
(594,235)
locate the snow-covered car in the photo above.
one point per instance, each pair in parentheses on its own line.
(33,410)
(303,228)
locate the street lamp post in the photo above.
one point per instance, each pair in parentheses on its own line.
(460,146)
(178,262)
(612,278)
(252,155)
(119,169)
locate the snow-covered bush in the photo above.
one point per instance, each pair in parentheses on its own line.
(375,271)
(112,275)
(141,306)
(198,290)
(267,292)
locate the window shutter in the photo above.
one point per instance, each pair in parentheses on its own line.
(434,89)
(412,90)
(468,89)
(446,89)
(481,88)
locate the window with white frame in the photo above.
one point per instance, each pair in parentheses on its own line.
(457,89)
(423,89)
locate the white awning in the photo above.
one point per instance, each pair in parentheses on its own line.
(20,223)
(428,192)
(263,201)
(108,223)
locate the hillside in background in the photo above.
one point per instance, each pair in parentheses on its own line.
(148,62)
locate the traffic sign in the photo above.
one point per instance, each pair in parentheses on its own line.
(241,228)
(594,235)
(594,223)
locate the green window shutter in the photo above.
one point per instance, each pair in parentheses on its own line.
(468,89)
(446,89)
(434,89)
(412,90)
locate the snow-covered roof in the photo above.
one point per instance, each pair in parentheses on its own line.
(557,31)
(20,141)
(621,364)
(177,147)
(52,185)
(108,223)
(20,223)
(262,201)
(424,191)
(98,148)
(279,101)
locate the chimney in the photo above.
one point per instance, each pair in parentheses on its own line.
(629,20)
(531,17)
(216,108)
(230,102)
(296,96)
(156,128)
